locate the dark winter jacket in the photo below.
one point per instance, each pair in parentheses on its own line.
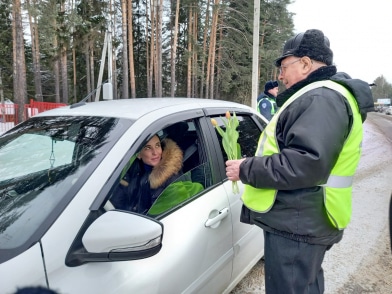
(310,133)
(142,184)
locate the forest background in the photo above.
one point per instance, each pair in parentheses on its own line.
(51,50)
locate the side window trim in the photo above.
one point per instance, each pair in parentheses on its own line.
(215,152)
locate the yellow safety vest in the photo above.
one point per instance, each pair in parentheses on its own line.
(338,189)
(271,101)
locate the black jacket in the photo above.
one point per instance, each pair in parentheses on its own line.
(310,134)
(142,184)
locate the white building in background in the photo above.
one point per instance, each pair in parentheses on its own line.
(384,101)
(6,110)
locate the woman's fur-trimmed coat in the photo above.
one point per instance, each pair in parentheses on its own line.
(142,184)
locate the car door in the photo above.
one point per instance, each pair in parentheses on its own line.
(248,240)
(196,254)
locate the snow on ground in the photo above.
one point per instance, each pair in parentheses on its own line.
(371,193)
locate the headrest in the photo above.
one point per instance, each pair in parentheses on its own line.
(176,131)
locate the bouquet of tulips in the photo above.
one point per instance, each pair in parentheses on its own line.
(229,140)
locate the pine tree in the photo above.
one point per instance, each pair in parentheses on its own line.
(6,49)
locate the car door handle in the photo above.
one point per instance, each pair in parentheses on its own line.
(215,221)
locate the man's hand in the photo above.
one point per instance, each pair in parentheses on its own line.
(233,169)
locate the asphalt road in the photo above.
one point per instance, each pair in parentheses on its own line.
(362,261)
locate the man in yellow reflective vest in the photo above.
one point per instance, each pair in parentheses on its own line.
(298,185)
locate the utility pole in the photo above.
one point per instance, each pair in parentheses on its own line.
(255,61)
(107,87)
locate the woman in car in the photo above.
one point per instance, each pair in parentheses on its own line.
(157,165)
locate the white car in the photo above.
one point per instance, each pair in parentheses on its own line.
(58,228)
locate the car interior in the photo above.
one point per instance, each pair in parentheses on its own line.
(194,177)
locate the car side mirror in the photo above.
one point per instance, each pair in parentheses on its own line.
(118,236)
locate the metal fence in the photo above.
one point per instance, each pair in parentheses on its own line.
(9,112)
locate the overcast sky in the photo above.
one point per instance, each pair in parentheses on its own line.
(359,33)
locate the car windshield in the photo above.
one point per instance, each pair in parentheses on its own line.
(43,163)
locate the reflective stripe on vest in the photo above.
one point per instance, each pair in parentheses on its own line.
(338,188)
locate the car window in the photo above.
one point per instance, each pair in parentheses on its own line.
(194,177)
(42,163)
(249,134)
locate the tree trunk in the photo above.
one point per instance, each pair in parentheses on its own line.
(114,65)
(189,67)
(125,88)
(203,54)
(35,50)
(213,46)
(261,49)
(150,50)
(211,52)
(194,54)
(56,72)
(88,78)
(19,63)
(154,44)
(56,67)
(159,47)
(63,58)
(64,74)
(174,51)
(219,60)
(2,112)
(91,69)
(130,47)
(74,73)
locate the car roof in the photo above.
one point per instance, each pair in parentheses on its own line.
(138,107)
